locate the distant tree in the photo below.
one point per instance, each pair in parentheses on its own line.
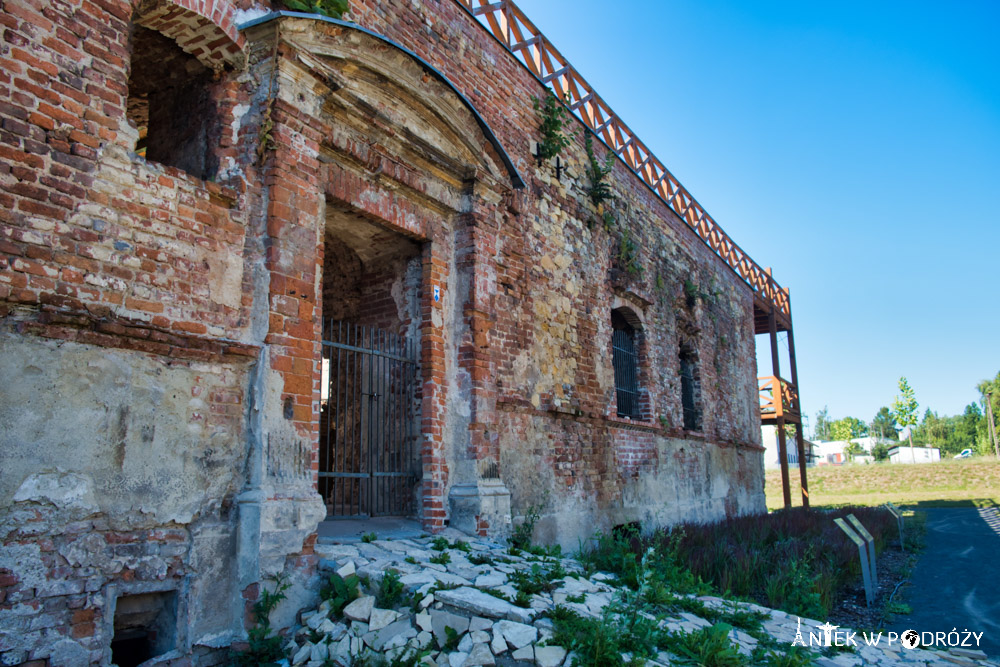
(950,434)
(853,449)
(967,427)
(880,451)
(821,431)
(884,425)
(983,443)
(904,408)
(848,428)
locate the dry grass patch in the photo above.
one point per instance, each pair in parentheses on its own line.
(970,482)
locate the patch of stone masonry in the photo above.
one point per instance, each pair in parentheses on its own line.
(492,631)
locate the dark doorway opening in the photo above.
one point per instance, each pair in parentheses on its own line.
(369,449)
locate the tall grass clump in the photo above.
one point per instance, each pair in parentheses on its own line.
(795,560)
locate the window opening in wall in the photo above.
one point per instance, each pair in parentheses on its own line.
(170,104)
(690,389)
(625,359)
(145,627)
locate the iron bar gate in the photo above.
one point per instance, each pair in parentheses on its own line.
(367,464)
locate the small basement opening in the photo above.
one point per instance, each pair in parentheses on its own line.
(145,627)
(170,103)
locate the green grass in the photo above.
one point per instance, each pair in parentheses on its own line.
(950,483)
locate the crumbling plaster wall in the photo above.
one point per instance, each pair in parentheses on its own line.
(119,467)
(134,309)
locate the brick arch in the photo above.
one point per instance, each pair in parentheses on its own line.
(204,28)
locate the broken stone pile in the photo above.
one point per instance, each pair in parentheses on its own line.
(448,619)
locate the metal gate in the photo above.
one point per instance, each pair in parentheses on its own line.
(367,464)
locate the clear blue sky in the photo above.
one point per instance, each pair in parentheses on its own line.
(852,146)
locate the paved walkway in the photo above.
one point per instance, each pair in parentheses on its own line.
(956,583)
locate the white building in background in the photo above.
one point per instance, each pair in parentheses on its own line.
(907,454)
(769,438)
(831,452)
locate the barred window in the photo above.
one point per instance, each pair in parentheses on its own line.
(625,359)
(690,388)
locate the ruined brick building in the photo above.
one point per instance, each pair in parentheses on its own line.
(258,268)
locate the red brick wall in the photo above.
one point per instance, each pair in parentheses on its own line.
(87,229)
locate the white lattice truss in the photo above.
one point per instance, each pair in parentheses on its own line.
(509,25)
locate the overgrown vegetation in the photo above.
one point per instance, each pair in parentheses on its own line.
(795,560)
(263,647)
(442,558)
(539,578)
(332,8)
(552,127)
(693,293)
(709,647)
(480,559)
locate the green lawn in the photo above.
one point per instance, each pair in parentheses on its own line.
(971,482)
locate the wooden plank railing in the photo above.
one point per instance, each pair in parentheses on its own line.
(516,32)
(771,408)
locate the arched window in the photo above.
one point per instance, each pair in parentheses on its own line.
(690,387)
(625,359)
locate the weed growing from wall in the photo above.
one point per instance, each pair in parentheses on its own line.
(520,538)
(551,128)
(263,647)
(628,255)
(598,190)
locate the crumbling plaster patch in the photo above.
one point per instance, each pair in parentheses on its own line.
(130,435)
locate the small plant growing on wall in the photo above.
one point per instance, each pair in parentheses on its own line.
(693,293)
(554,120)
(335,9)
(599,191)
(628,255)
(263,646)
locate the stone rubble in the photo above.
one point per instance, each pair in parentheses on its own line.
(493,631)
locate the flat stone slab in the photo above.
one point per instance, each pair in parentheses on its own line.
(516,634)
(441,619)
(479,656)
(360,609)
(478,602)
(549,656)
(380,618)
(394,635)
